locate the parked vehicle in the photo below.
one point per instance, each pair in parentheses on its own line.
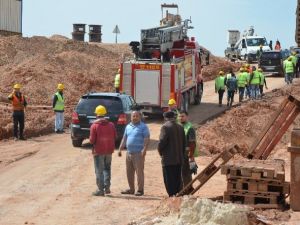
(271,62)
(118,106)
(245,47)
(167,64)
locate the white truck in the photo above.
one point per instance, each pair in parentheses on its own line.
(245,47)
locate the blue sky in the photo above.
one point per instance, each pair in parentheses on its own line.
(274,19)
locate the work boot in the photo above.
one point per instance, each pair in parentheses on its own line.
(139,193)
(107,191)
(98,193)
(127,192)
(228,104)
(22,138)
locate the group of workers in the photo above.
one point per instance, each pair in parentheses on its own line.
(249,82)
(290,67)
(177,148)
(19,103)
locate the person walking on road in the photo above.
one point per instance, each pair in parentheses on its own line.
(289,70)
(263,82)
(190,150)
(241,82)
(117,82)
(171,148)
(254,83)
(102,137)
(19,104)
(136,139)
(59,108)
(220,86)
(232,85)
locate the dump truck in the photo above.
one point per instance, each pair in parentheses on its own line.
(166,64)
(245,47)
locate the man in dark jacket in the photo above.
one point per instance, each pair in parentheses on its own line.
(102,137)
(171,148)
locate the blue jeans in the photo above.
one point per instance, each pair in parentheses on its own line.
(59,121)
(255,92)
(102,165)
(289,78)
(241,93)
(248,91)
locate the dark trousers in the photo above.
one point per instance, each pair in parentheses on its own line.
(221,94)
(186,172)
(241,93)
(230,96)
(261,89)
(19,119)
(172,179)
(117,90)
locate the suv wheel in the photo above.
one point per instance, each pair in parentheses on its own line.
(77,142)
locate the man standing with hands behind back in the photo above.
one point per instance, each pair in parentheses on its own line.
(136,138)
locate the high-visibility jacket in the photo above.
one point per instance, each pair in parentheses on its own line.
(289,67)
(117,80)
(187,126)
(242,79)
(255,78)
(18,104)
(220,83)
(60,103)
(294,60)
(262,78)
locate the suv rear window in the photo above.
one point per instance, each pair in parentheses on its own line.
(88,104)
(271,55)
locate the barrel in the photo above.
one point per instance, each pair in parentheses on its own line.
(95,33)
(78,31)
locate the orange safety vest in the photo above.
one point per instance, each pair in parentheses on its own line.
(18,104)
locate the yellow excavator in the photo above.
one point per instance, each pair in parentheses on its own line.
(297,34)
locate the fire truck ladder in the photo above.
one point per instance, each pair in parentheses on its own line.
(275,129)
(209,171)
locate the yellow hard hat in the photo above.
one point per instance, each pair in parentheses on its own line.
(294,53)
(261,46)
(119,70)
(17,86)
(290,58)
(172,102)
(100,110)
(60,87)
(247,65)
(221,73)
(259,70)
(241,69)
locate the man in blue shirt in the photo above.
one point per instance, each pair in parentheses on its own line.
(136,138)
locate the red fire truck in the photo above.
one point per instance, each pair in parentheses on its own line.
(167,64)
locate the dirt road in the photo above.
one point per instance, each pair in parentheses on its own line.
(45,180)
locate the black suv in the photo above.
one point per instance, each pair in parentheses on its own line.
(272,62)
(118,106)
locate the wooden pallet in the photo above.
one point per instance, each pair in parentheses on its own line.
(209,171)
(254,199)
(258,186)
(256,169)
(275,129)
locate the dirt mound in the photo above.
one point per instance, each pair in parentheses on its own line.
(243,124)
(39,64)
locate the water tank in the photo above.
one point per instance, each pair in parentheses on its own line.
(78,31)
(95,33)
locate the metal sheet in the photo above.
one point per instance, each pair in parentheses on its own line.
(11,15)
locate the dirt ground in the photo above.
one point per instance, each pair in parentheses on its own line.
(44,180)
(40,63)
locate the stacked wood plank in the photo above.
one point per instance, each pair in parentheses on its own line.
(258,183)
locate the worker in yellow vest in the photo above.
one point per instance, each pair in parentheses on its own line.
(254,83)
(117,82)
(59,108)
(263,82)
(191,151)
(220,86)
(289,70)
(18,104)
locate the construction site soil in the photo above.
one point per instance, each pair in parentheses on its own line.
(40,63)
(242,124)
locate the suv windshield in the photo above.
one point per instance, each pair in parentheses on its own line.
(256,41)
(271,55)
(88,104)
